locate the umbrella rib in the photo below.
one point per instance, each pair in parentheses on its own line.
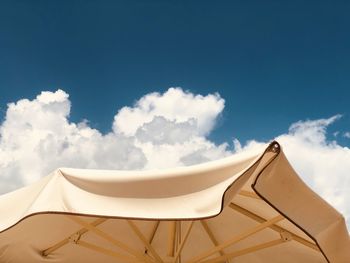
(211,235)
(171,238)
(181,246)
(237,238)
(178,238)
(145,241)
(153,233)
(249,194)
(276,228)
(65,241)
(245,251)
(109,238)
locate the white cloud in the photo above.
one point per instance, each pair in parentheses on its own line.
(313,131)
(37,136)
(346,134)
(160,130)
(174,105)
(167,143)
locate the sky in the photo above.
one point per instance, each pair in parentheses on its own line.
(155,84)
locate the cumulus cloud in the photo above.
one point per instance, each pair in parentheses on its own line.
(36,137)
(174,105)
(161,130)
(158,131)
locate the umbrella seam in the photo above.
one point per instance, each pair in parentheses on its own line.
(278,210)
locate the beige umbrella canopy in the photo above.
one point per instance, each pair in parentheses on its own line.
(241,209)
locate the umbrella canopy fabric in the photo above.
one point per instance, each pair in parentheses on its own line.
(244,208)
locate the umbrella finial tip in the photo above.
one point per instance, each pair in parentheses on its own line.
(274,147)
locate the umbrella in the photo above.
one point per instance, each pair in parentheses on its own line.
(243,208)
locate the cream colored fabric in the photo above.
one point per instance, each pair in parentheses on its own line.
(214,204)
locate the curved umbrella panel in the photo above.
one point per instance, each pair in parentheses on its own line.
(236,235)
(243,209)
(280,186)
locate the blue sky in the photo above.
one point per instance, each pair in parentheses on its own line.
(273,62)
(281,69)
